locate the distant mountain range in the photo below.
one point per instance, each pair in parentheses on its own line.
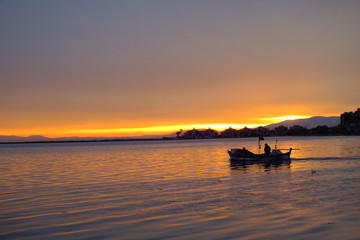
(308,122)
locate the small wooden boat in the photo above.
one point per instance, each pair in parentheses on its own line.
(246,156)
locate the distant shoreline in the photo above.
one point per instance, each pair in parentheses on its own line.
(165,139)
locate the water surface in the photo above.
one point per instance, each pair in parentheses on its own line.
(179,190)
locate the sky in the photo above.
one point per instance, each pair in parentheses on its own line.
(127,68)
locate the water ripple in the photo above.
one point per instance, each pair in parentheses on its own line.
(178,190)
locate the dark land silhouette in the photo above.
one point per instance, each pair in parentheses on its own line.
(349,125)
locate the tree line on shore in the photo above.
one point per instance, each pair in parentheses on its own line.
(295,130)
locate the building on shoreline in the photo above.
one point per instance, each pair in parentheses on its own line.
(350,121)
(198,134)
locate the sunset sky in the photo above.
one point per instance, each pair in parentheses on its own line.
(126,68)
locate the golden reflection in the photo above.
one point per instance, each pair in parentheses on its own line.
(239,167)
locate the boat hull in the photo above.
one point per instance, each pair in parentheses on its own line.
(248,157)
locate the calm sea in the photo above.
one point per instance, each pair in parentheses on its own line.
(179,190)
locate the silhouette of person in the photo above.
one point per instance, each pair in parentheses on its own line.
(267,149)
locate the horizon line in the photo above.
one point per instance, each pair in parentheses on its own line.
(144,131)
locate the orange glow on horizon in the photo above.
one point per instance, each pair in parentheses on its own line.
(163,129)
(141,131)
(122,132)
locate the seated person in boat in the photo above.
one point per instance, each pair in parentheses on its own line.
(267,149)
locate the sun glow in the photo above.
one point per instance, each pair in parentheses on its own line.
(122,132)
(160,129)
(142,131)
(283,118)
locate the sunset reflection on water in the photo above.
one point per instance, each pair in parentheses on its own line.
(182,189)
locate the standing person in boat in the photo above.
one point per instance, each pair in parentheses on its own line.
(267,149)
